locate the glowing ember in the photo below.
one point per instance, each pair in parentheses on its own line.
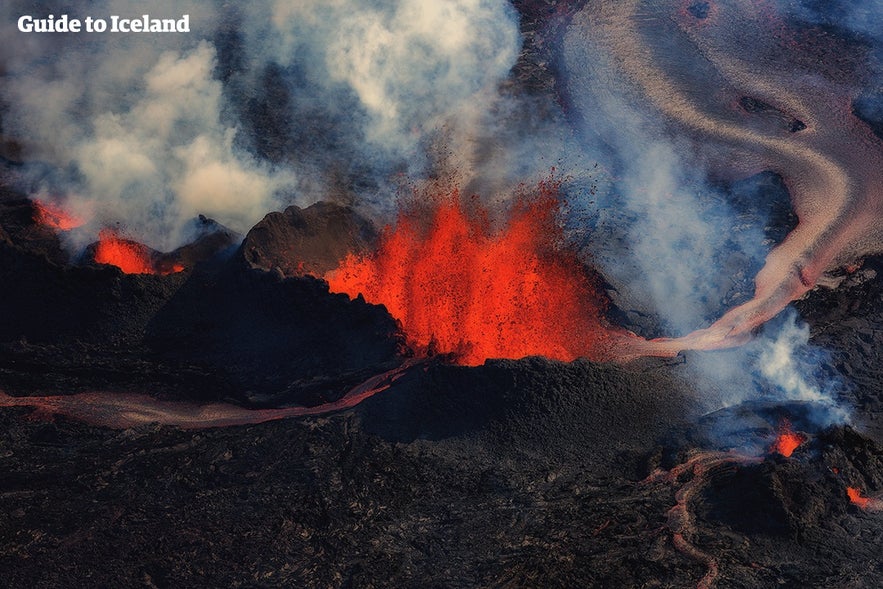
(459,288)
(787,440)
(855,495)
(128,256)
(54,216)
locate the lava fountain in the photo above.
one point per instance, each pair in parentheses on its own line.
(459,288)
(787,440)
(129,256)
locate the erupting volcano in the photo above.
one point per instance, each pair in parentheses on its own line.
(516,383)
(459,288)
(129,256)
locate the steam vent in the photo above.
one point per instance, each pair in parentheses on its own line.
(517,294)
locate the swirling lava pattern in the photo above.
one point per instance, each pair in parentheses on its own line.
(747,94)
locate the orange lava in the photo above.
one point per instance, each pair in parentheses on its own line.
(787,440)
(457,287)
(54,216)
(129,256)
(855,495)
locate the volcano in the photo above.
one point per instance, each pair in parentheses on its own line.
(479,295)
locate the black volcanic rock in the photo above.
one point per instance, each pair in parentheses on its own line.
(516,473)
(308,241)
(275,339)
(562,411)
(20,226)
(846,322)
(217,330)
(50,303)
(208,240)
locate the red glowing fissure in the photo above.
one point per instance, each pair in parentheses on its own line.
(459,288)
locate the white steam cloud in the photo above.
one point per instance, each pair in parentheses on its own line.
(786,361)
(264,102)
(170,157)
(676,250)
(149,130)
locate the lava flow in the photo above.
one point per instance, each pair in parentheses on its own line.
(862,502)
(121,410)
(855,496)
(459,288)
(787,440)
(129,256)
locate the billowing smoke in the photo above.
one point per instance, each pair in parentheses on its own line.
(256,108)
(268,103)
(790,363)
(410,64)
(677,101)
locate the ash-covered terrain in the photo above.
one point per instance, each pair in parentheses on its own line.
(186,402)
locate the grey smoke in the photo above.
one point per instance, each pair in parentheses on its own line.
(149,130)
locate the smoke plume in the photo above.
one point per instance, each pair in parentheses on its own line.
(258,107)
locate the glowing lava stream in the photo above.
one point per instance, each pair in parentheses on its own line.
(121,411)
(833,166)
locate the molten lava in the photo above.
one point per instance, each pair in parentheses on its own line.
(787,440)
(54,216)
(457,287)
(129,256)
(855,495)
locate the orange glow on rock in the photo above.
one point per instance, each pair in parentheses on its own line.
(54,216)
(457,287)
(855,495)
(129,256)
(787,440)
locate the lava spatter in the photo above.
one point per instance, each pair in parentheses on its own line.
(459,288)
(857,498)
(129,256)
(787,440)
